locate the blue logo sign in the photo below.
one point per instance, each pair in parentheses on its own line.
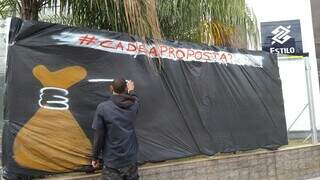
(282,37)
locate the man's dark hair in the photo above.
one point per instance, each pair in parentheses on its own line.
(119,85)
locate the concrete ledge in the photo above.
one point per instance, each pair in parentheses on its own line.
(300,162)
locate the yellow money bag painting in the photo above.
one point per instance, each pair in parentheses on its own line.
(52,140)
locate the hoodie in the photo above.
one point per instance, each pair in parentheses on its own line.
(114,129)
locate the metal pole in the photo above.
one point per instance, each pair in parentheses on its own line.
(311,103)
(304,108)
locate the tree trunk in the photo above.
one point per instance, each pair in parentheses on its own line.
(30,10)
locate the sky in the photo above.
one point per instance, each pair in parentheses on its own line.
(275,9)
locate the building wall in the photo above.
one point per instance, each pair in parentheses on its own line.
(315,8)
(278,10)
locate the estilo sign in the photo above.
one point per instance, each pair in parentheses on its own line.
(282,37)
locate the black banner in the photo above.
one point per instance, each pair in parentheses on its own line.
(195,99)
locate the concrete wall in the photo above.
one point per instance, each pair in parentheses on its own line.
(289,163)
(2,69)
(3,35)
(2,43)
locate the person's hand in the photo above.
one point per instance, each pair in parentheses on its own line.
(95,164)
(130,85)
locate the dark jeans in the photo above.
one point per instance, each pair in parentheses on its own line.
(126,173)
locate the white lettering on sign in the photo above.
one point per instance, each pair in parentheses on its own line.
(283,50)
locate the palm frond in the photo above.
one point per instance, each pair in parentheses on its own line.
(8,8)
(136,17)
(216,22)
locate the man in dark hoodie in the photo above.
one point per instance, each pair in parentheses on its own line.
(115,135)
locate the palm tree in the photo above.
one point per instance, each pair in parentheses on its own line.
(216,22)
(28,9)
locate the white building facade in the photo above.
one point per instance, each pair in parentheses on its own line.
(282,10)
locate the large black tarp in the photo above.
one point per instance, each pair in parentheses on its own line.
(195,98)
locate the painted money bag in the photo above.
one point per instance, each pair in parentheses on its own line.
(52,140)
